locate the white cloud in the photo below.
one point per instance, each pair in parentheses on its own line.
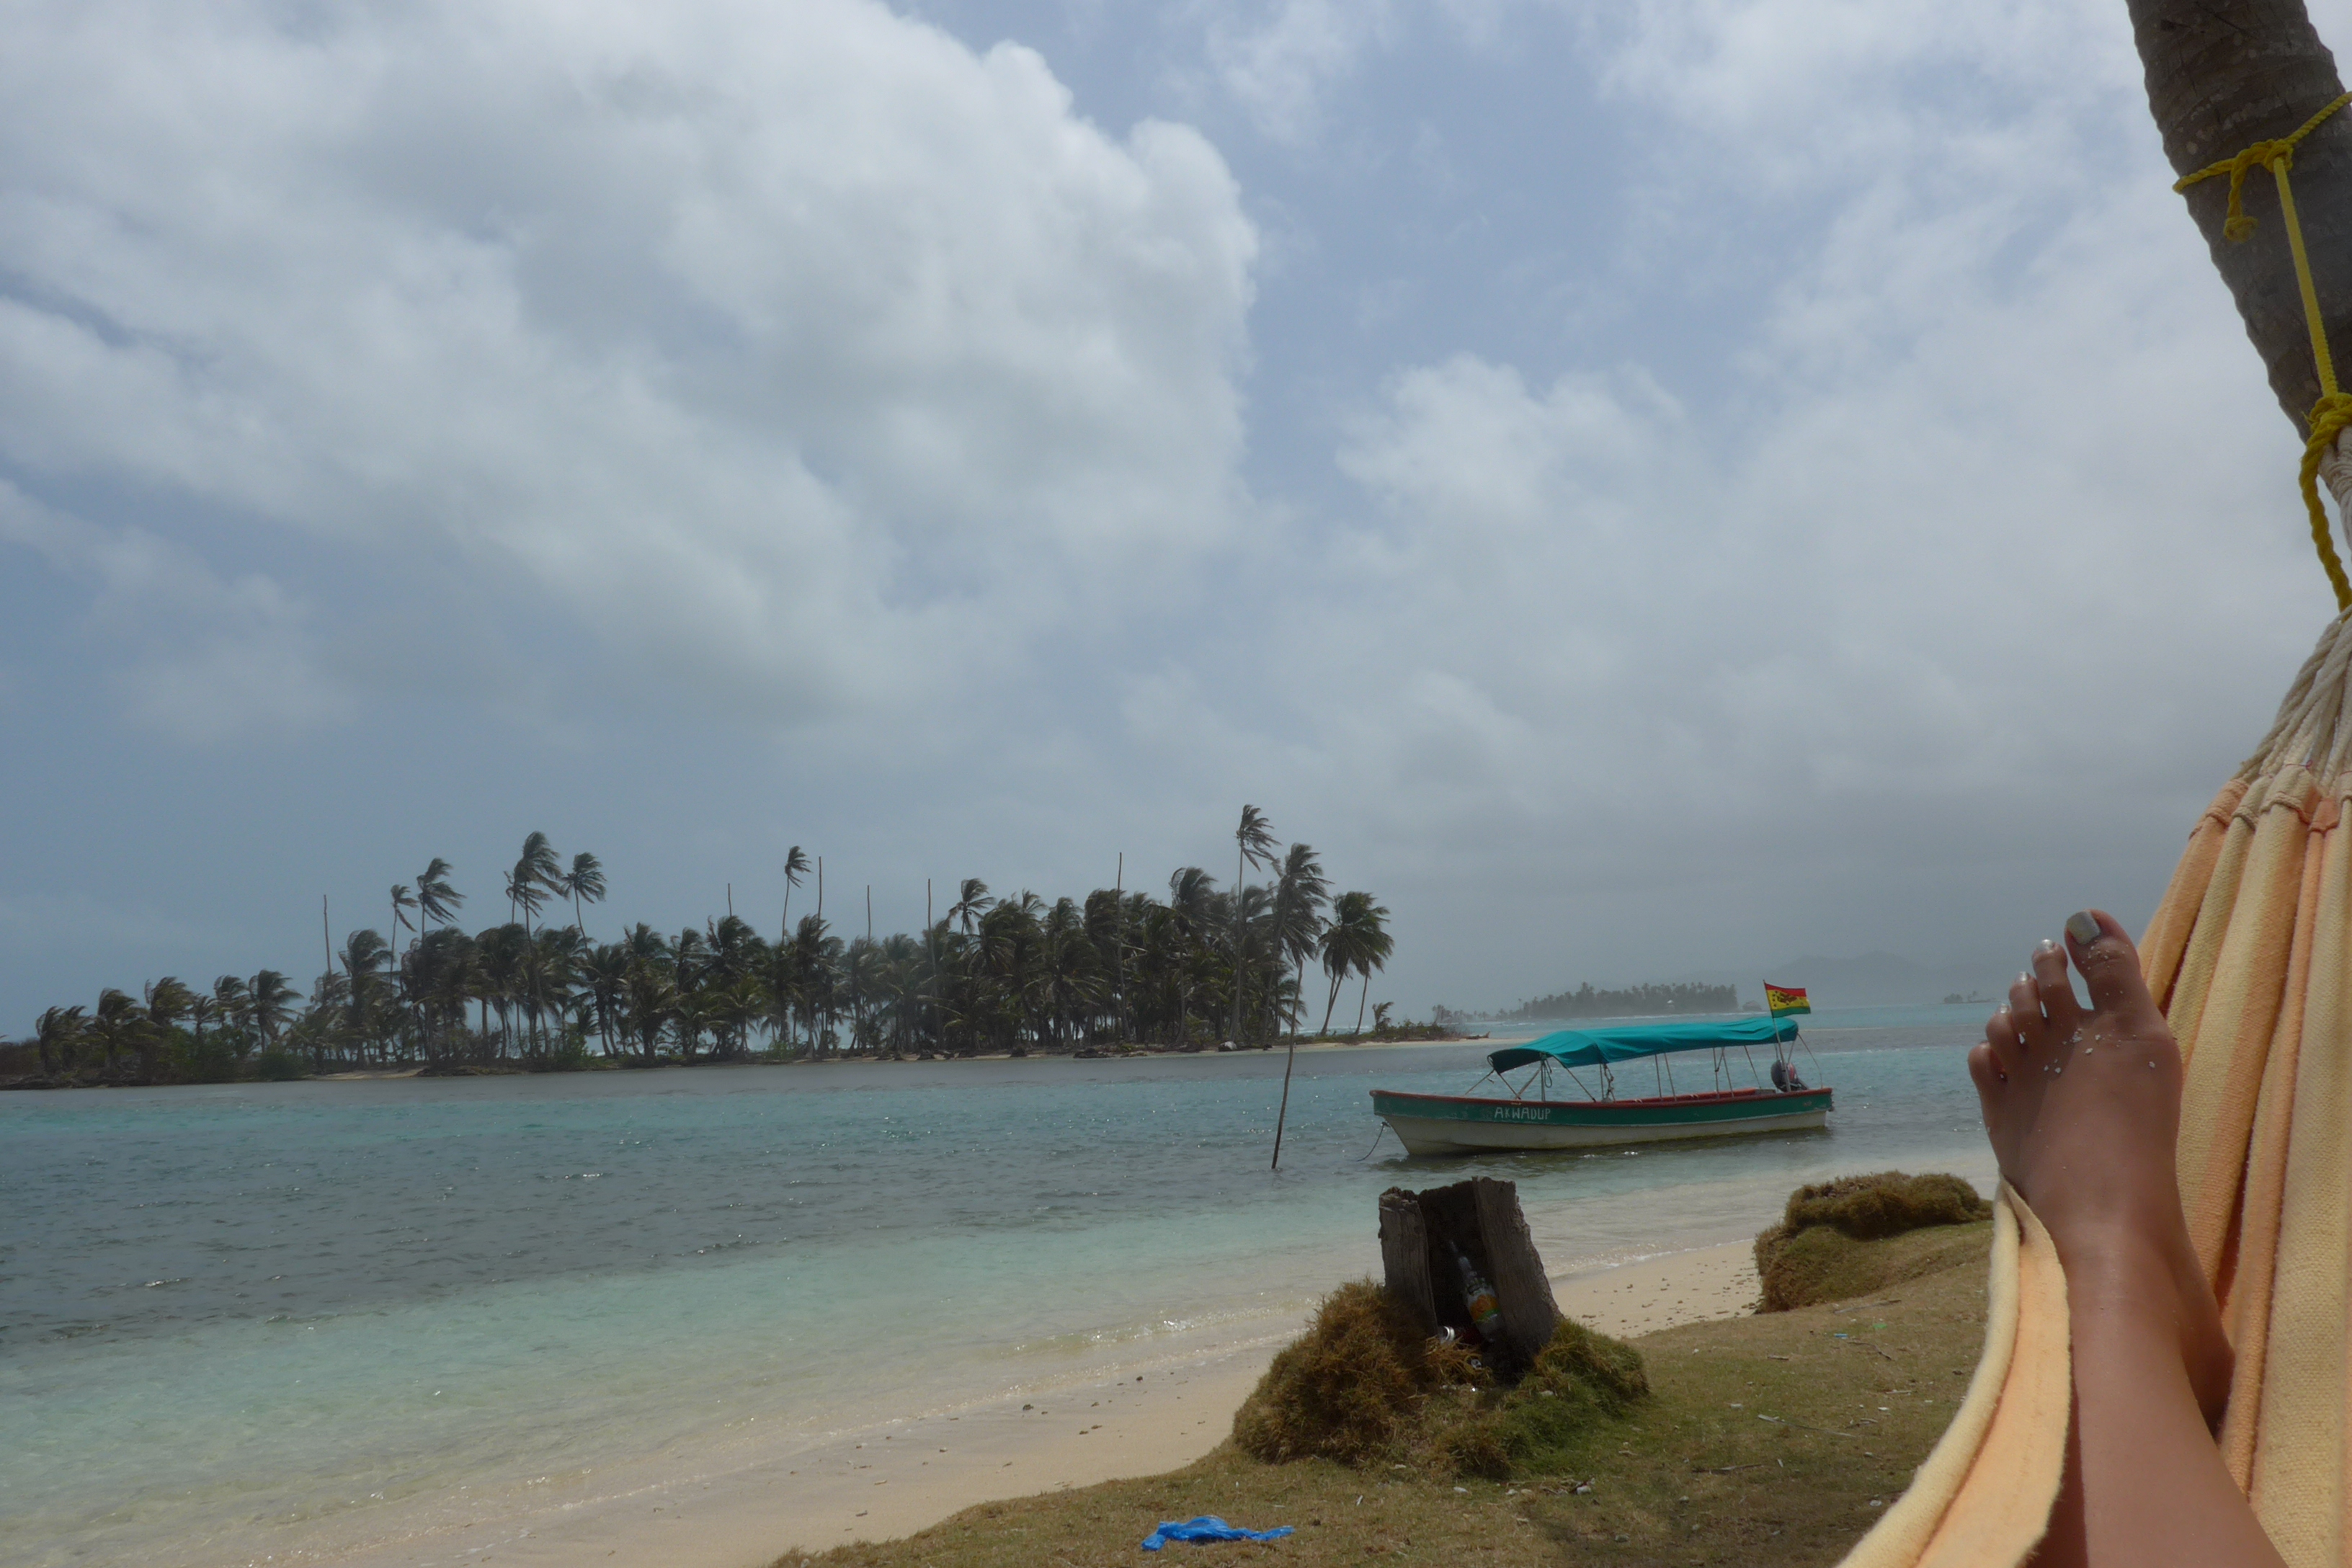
(794,347)
(1956,580)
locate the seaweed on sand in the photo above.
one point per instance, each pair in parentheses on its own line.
(1826,1246)
(1363,1384)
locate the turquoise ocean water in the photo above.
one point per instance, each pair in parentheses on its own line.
(264,1319)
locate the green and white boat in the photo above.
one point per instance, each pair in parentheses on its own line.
(1527,1116)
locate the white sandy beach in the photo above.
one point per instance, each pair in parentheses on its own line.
(898,1476)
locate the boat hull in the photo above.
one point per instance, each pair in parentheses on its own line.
(1462,1124)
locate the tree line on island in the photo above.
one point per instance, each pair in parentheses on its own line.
(1633,1002)
(989,975)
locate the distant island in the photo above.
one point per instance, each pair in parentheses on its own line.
(1115,970)
(1635,1002)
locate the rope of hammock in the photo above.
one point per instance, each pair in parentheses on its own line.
(2332,414)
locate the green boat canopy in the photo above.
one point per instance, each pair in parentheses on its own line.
(1631,1042)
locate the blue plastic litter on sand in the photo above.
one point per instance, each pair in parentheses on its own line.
(1206,1528)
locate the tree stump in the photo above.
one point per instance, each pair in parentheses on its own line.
(1421,1233)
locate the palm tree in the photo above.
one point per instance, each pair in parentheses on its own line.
(971,904)
(119,1024)
(1192,904)
(58,1032)
(536,873)
(1357,942)
(236,1007)
(444,974)
(436,899)
(585,880)
(2219,78)
(364,956)
(1299,898)
(524,895)
(168,1001)
(270,1002)
(796,866)
(1252,846)
(403,900)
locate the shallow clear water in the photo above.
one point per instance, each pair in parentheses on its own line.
(233,1314)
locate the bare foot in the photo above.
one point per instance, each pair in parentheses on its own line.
(2083,1108)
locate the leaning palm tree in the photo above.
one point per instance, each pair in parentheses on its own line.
(403,900)
(437,900)
(1252,846)
(56,1034)
(168,1001)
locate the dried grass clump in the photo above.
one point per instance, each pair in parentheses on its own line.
(1344,1390)
(1362,1384)
(1889,1204)
(1829,1245)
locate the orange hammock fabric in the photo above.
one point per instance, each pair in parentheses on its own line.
(2249,953)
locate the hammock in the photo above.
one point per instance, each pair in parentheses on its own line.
(2250,954)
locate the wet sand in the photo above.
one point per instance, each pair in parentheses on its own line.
(898,1476)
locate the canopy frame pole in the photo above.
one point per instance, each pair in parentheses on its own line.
(1580,1082)
(1751,1067)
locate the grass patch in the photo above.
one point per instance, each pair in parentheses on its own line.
(1822,1251)
(1858,1393)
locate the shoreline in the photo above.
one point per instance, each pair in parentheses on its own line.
(35,1083)
(898,1476)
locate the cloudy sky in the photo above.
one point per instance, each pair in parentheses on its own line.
(1646,486)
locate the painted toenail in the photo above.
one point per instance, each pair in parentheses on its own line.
(2082,926)
(2047,945)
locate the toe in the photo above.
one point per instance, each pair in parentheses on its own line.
(2003,1049)
(2058,1004)
(2110,965)
(2025,1013)
(1985,1069)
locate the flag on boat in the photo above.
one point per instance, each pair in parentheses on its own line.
(1782,1000)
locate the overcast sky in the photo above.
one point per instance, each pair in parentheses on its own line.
(1645,487)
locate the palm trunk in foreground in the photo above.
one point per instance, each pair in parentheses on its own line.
(2224,74)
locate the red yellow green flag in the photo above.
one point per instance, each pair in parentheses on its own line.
(1782,1000)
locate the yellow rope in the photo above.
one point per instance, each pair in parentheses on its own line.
(2332,414)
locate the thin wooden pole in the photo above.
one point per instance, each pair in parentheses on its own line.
(869,911)
(1119,946)
(1281,1115)
(326,942)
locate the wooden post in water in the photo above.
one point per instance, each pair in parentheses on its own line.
(1285,1111)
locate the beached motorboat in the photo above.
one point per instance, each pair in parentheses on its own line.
(1526,1115)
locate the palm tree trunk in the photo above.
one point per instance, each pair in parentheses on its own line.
(1238,864)
(1332,1001)
(1360,1000)
(2221,75)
